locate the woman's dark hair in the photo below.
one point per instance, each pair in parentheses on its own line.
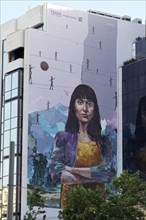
(140,131)
(94,126)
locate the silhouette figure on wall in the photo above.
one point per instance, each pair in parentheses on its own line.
(51,85)
(40,53)
(87,63)
(100,45)
(115,98)
(48,105)
(37,118)
(56,54)
(110,80)
(30,73)
(70,68)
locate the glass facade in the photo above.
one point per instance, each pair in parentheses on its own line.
(141,48)
(11,130)
(133,91)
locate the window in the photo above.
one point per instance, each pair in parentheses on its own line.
(14,135)
(7,111)
(6,138)
(39,26)
(8,83)
(5,181)
(7,125)
(14,122)
(134,50)
(11,85)
(16,54)
(12,128)
(14,110)
(5,167)
(6,151)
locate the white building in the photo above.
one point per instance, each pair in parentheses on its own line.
(72,47)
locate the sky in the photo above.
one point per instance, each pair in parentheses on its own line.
(133,8)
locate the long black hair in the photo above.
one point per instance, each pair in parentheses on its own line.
(94,126)
(140,131)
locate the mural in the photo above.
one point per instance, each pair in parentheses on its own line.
(72,101)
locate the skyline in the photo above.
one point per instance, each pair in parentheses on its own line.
(134,9)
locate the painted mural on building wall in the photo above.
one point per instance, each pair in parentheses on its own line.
(134,119)
(72,104)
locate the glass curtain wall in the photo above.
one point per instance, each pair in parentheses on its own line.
(11,130)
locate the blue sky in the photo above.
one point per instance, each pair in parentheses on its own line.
(134,8)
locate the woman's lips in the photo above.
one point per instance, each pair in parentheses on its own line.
(84,115)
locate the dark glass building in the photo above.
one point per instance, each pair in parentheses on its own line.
(134,110)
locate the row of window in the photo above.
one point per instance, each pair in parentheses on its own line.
(11,130)
(134,84)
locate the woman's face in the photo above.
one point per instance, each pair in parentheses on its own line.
(84,110)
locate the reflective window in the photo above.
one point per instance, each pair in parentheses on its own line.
(14,92)
(8,83)
(11,85)
(6,138)
(15,80)
(6,151)
(7,111)
(14,135)
(134,50)
(14,108)
(7,95)
(13,122)
(5,181)
(10,131)
(7,125)
(5,167)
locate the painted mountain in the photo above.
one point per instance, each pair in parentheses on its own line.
(42,128)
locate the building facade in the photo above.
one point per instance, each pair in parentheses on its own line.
(134,106)
(45,54)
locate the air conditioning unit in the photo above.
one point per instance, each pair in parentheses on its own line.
(126,18)
(137,20)
(92,11)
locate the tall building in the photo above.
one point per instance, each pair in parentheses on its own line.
(45,54)
(134,109)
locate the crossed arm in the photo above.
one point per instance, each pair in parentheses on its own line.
(73,175)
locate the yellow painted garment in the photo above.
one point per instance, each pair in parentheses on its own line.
(88,154)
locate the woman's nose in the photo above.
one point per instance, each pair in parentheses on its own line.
(85,107)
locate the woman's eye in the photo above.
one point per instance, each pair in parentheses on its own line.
(80,102)
(90,104)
